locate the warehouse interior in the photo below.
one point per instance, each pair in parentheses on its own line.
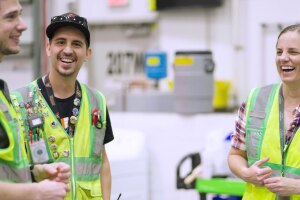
(160,109)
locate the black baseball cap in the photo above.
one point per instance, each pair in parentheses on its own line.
(68,19)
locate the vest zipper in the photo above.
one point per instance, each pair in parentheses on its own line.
(283,160)
(73,182)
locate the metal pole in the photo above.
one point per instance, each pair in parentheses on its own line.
(202,196)
(37,41)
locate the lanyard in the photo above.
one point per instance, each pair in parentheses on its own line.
(284,144)
(74,116)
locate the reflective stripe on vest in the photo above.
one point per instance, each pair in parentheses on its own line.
(256,119)
(14,166)
(4,109)
(102,105)
(86,168)
(11,174)
(263,140)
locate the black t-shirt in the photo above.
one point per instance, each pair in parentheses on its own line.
(4,142)
(65,107)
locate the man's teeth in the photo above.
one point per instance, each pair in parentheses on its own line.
(66,60)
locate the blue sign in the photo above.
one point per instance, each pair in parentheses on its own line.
(155,65)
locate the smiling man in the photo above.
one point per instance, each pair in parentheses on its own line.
(15,174)
(12,26)
(73,118)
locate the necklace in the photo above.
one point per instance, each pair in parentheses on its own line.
(76,105)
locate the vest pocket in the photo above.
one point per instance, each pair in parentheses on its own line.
(89,190)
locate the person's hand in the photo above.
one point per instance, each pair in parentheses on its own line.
(59,172)
(282,186)
(256,174)
(51,190)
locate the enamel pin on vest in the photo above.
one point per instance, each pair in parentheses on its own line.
(96,118)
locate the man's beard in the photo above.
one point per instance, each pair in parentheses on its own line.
(65,74)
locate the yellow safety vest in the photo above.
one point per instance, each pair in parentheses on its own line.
(14,165)
(83,151)
(263,140)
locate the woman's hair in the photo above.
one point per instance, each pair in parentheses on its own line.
(294,27)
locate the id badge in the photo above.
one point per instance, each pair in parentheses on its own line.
(39,152)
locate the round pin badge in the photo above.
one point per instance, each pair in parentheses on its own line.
(46,114)
(42,103)
(73,120)
(78,93)
(75,112)
(54,125)
(51,138)
(53,147)
(66,153)
(76,102)
(35,109)
(55,155)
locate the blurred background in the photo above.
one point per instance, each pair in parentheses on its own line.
(174,73)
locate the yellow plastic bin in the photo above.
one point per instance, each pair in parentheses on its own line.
(221,94)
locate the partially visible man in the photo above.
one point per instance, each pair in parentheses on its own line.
(73,117)
(15,174)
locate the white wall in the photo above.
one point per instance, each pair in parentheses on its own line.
(199,29)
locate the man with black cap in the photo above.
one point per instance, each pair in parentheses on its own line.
(15,174)
(73,117)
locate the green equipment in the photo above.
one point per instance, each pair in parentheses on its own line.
(214,185)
